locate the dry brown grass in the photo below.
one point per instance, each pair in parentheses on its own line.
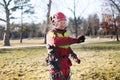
(99,61)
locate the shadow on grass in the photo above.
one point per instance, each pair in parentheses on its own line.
(14,50)
(111,42)
(3,51)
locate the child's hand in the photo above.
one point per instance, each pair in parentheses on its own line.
(81,39)
(77,60)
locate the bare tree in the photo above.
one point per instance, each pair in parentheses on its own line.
(116,30)
(25,8)
(5,4)
(115,4)
(74,9)
(75,19)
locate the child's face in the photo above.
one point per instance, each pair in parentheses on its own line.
(61,24)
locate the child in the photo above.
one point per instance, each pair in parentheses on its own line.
(59,50)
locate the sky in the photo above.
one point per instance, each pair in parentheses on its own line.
(83,8)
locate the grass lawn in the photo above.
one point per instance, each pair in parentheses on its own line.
(23,64)
(99,61)
(35,41)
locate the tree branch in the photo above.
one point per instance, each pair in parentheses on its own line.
(115,5)
(71,10)
(2,20)
(9,2)
(2,4)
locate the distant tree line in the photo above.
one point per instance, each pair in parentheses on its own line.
(89,27)
(29,31)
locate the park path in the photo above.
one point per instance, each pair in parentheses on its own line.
(22,46)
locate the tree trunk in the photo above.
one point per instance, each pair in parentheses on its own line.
(75,20)
(6,37)
(21,37)
(48,16)
(116,32)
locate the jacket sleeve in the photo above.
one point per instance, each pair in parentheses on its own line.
(58,41)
